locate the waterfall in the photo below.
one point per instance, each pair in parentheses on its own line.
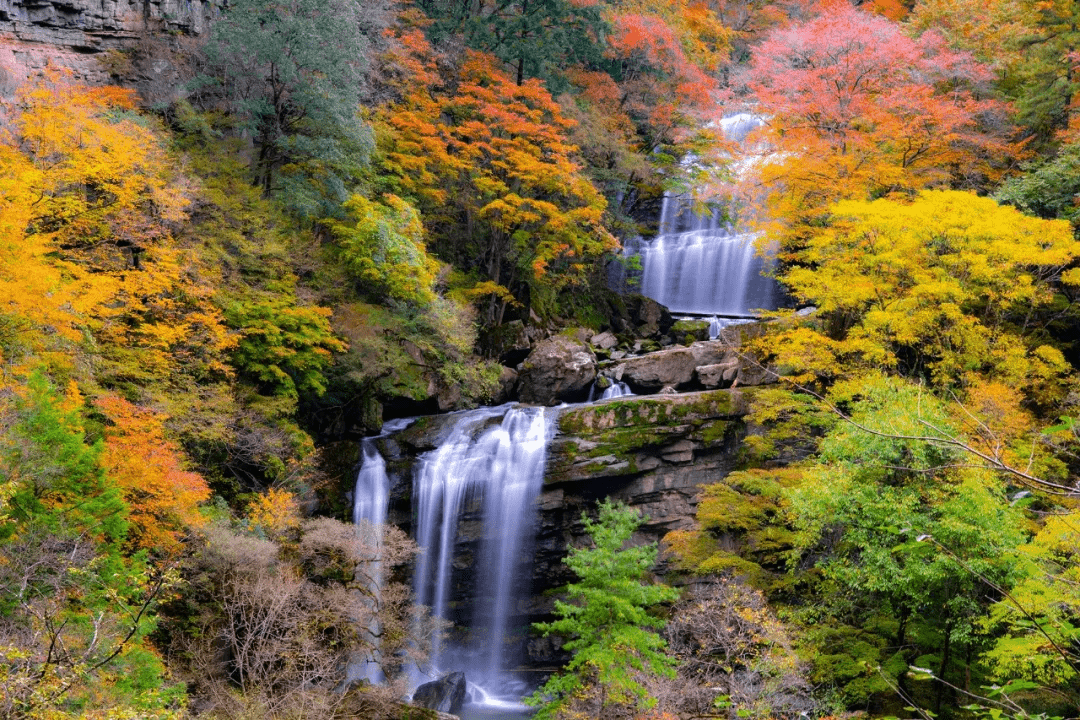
(701,265)
(614,390)
(717,324)
(492,469)
(371,499)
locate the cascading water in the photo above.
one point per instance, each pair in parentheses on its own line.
(700,265)
(370,501)
(517,451)
(500,468)
(490,465)
(614,390)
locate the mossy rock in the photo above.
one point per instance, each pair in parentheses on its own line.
(648,346)
(654,411)
(687,332)
(628,436)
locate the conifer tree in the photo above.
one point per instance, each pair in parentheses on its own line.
(614,639)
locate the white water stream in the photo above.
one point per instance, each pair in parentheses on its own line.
(701,264)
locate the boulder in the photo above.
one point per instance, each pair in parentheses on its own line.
(604,340)
(449,397)
(754,374)
(650,373)
(558,369)
(507,381)
(582,335)
(712,352)
(689,331)
(649,318)
(447,694)
(720,375)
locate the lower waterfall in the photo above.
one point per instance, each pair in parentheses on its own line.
(370,500)
(488,468)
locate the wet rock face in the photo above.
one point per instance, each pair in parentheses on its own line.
(559,369)
(447,694)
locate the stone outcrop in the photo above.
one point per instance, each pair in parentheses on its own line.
(651,452)
(644,317)
(446,695)
(649,373)
(79,35)
(559,369)
(687,331)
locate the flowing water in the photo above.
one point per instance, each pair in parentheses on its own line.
(614,390)
(703,264)
(371,499)
(489,465)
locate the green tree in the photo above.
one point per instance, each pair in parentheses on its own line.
(614,642)
(58,479)
(382,246)
(903,536)
(1049,189)
(292,72)
(74,611)
(535,38)
(286,348)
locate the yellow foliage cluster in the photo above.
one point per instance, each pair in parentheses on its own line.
(88,200)
(940,285)
(275,512)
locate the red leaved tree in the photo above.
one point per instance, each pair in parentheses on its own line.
(858,109)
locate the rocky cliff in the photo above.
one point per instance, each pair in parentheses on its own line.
(652,452)
(102,39)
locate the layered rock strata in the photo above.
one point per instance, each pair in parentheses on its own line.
(97,41)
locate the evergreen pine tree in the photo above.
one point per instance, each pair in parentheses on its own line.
(614,640)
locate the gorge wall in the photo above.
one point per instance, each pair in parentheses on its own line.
(97,40)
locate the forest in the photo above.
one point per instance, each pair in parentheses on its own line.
(204,297)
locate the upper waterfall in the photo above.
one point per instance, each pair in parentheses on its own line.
(703,264)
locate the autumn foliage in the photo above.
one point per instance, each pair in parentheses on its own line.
(162,495)
(489,164)
(856,109)
(346,205)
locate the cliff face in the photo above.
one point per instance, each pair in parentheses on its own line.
(147,37)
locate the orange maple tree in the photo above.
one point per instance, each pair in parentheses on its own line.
(146,465)
(489,164)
